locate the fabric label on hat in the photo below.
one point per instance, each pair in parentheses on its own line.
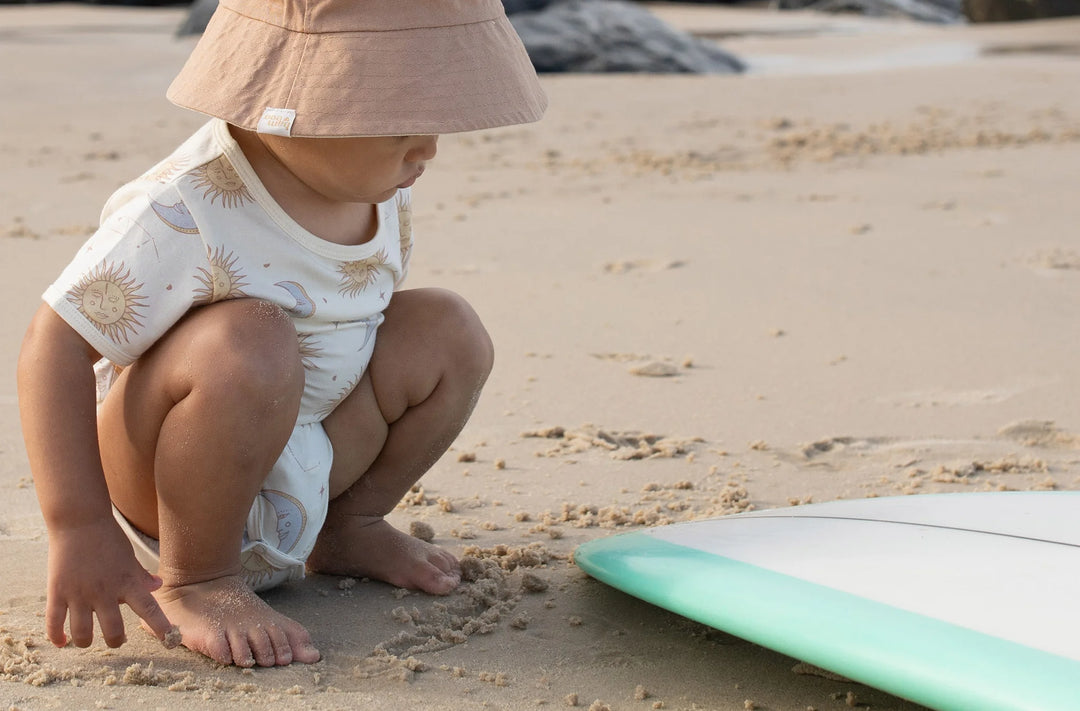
(277,122)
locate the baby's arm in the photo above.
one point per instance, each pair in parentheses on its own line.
(92,568)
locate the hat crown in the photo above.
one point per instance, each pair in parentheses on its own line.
(336,68)
(328,16)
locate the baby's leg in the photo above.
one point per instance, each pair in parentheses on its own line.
(432,356)
(188,433)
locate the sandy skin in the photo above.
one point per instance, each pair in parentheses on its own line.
(389,555)
(224,620)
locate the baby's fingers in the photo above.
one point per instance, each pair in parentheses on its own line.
(82,626)
(55,616)
(146,607)
(112,625)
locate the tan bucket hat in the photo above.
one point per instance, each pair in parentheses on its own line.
(338,68)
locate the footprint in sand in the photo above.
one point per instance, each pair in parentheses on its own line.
(1055,258)
(624,266)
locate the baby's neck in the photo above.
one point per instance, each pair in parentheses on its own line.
(339,222)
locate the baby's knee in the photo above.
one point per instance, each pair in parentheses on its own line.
(250,347)
(464,334)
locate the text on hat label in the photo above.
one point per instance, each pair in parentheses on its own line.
(277,122)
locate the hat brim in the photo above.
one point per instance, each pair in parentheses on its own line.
(420,81)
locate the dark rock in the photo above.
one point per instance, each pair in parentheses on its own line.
(131,3)
(515,6)
(614,36)
(939,11)
(198,15)
(1010,10)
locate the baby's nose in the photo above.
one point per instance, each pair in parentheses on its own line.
(428,148)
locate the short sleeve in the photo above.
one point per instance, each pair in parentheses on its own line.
(134,278)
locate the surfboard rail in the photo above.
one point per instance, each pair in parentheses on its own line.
(847,627)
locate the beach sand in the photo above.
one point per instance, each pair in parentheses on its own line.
(854,271)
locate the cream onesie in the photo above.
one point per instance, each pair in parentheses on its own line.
(198,228)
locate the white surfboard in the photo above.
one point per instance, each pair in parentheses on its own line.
(960,602)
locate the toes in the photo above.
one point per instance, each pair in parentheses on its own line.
(251,634)
(387,554)
(446,562)
(262,649)
(263,646)
(283,654)
(217,648)
(240,649)
(303,650)
(444,573)
(435,581)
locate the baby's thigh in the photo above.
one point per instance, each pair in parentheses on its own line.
(357,430)
(220,361)
(230,351)
(430,338)
(431,350)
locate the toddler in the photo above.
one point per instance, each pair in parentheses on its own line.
(226,385)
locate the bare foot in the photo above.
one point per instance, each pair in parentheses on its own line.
(229,623)
(368,546)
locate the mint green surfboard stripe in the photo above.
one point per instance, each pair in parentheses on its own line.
(927,661)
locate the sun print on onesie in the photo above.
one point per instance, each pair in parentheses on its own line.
(256,570)
(323,412)
(167,170)
(218,179)
(309,351)
(359,274)
(222,280)
(110,298)
(405,233)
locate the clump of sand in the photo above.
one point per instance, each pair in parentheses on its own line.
(622,445)
(489,593)
(506,557)
(624,266)
(20,661)
(1056,258)
(19,230)
(1040,433)
(657,505)
(935,131)
(382,664)
(654,369)
(173,638)
(590,516)
(421,530)
(782,142)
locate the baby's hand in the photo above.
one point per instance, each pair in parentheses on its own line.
(92,570)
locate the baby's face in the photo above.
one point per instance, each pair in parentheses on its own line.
(366,170)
